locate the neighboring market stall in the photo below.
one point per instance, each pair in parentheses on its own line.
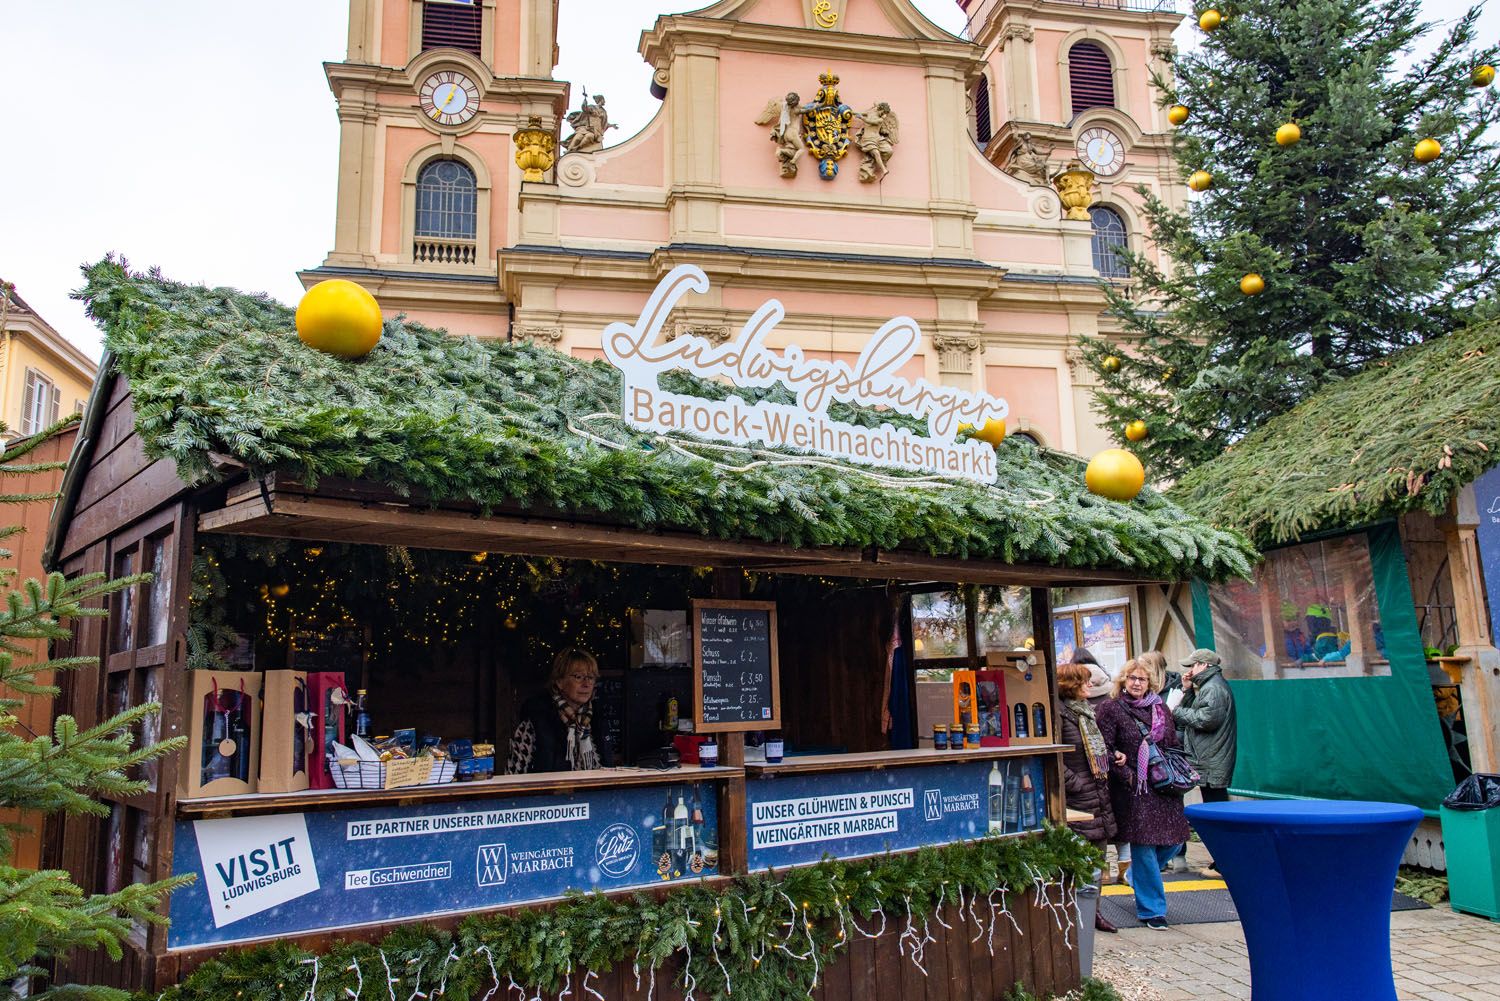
(1367,619)
(419,532)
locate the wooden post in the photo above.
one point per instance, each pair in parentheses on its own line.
(1041,635)
(1480,683)
(734,846)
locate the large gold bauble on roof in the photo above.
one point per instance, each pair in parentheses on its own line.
(339,317)
(1116,474)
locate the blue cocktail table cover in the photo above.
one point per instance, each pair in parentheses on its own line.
(1312,881)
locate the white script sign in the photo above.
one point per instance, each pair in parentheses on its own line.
(639,352)
(251,864)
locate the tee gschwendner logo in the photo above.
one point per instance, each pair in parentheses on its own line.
(251,864)
(640,354)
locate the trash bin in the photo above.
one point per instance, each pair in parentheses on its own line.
(1088,906)
(1471,843)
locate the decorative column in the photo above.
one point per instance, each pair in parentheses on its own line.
(1479,685)
(1019,59)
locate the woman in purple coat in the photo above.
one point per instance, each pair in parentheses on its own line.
(1151,821)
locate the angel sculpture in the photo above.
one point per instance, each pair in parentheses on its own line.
(877,141)
(589,122)
(1027,160)
(786,133)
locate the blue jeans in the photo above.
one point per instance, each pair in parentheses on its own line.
(1145,876)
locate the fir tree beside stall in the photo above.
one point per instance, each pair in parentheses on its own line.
(44,915)
(1349,192)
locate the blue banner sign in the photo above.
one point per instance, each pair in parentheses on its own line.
(1487,496)
(796,818)
(265,876)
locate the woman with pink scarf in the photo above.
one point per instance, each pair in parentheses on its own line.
(1151,821)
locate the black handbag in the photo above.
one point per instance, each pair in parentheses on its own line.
(1167,768)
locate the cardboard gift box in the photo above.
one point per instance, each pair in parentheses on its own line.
(287,740)
(327,697)
(995,724)
(224,722)
(1028,718)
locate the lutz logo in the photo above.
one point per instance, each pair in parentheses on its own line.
(932,804)
(490,864)
(617,849)
(251,864)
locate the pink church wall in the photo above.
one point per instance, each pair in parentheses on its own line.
(1049,92)
(480,325)
(614,222)
(811,302)
(787,12)
(1031,393)
(992,188)
(1024,324)
(1141,92)
(586,354)
(507,55)
(1011,248)
(641,160)
(395,31)
(854,232)
(401,144)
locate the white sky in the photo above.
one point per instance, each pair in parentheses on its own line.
(202,138)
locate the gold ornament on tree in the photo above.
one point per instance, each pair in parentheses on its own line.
(536,150)
(1177,114)
(1111,364)
(1289,134)
(1427,150)
(1482,76)
(1210,19)
(1252,284)
(1136,430)
(992,431)
(1201,180)
(1116,474)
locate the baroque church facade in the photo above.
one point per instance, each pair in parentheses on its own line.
(847,157)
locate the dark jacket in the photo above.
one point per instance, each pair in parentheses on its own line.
(1209,730)
(550,753)
(1143,818)
(1082,790)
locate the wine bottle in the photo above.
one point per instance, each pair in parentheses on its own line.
(996,799)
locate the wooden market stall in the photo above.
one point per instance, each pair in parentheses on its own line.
(453,508)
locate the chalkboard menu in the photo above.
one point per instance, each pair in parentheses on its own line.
(736,682)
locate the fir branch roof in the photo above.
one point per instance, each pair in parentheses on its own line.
(1404,435)
(513,424)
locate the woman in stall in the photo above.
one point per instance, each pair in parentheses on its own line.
(1085,764)
(558,731)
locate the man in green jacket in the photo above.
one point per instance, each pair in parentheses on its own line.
(1206,717)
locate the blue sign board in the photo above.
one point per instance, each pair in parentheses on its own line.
(263,876)
(795,818)
(1487,496)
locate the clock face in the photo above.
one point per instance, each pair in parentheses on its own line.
(1101,150)
(449,97)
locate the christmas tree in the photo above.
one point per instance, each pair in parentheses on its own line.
(1303,260)
(43,915)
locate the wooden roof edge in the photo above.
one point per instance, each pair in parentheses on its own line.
(79,462)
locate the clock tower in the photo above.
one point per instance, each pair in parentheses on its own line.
(430,97)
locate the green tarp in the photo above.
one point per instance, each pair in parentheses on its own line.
(1369,738)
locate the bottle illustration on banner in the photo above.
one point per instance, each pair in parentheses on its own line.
(1012,799)
(1038,720)
(1028,801)
(1020,721)
(996,799)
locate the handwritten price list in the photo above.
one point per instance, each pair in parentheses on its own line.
(735,646)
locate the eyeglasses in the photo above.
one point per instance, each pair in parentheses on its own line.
(583,678)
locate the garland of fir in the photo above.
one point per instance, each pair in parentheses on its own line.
(761,937)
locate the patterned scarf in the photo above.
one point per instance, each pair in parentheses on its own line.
(1093,740)
(579,720)
(1153,704)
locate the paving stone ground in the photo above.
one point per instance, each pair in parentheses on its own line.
(1436,955)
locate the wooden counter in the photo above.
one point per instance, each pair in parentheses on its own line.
(870,761)
(500,785)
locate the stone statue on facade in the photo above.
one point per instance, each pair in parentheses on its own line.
(1027,161)
(785,118)
(589,122)
(877,141)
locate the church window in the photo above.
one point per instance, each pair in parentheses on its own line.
(1109,240)
(982,127)
(452,24)
(447,201)
(1091,78)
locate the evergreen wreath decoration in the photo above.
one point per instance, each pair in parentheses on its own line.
(214,372)
(761,937)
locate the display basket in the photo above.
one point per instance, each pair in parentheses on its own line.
(395,774)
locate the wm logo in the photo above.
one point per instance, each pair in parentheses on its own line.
(932,804)
(489,865)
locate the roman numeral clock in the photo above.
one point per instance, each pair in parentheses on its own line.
(1101,151)
(449,97)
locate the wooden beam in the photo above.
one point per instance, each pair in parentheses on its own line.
(1479,685)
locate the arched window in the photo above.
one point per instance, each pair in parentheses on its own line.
(1109,240)
(982,129)
(452,24)
(446,201)
(1091,78)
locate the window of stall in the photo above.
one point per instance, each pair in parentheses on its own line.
(1103,629)
(953,629)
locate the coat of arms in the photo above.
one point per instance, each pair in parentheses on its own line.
(825,126)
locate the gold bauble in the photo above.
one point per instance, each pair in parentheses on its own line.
(1116,474)
(1427,150)
(993,431)
(1252,284)
(1201,180)
(339,317)
(1177,114)
(1110,364)
(1482,76)
(1210,19)
(1288,135)
(1136,431)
